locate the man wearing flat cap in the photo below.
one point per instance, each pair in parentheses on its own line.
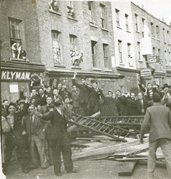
(84,93)
(59,138)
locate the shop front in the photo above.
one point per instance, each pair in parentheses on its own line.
(16,76)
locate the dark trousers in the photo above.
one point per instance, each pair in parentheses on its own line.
(62,147)
(84,108)
(22,152)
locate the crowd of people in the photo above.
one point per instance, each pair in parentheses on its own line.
(36,125)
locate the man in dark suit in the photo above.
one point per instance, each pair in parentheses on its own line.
(59,138)
(159,118)
(32,125)
(84,93)
(141,104)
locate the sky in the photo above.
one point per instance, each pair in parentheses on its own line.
(158,8)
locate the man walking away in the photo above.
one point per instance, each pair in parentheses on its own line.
(159,118)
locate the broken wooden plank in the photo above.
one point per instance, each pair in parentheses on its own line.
(127,169)
(158,163)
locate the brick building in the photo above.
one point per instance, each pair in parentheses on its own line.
(59,37)
(152,41)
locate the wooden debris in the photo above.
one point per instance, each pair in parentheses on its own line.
(127,169)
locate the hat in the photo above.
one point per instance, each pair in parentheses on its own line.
(21,101)
(166,86)
(83,77)
(94,81)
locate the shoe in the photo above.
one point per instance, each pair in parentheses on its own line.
(72,171)
(58,174)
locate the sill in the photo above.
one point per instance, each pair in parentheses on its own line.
(96,69)
(76,67)
(59,66)
(138,32)
(18,60)
(121,64)
(140,61)
(105,29)
(107,70)
(54,12)
(118,27)
(93,25)
(128,31)
(71,18)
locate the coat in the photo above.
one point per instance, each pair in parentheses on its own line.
(58,124)
(159,118)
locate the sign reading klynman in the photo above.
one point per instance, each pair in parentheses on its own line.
(15,75)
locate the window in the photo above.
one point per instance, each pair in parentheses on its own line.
(94,53)
(158,56)
(15,30)
(126,22)
(168,37)
(130,59)
(136,23)
(105,55)
(103,16)
(169,58)
(91,12)
(73,42)
(138,51)
(159,53)
(152,29)
(117,17)
(143,25)
(164,37)
(120,51)
(71,9)
(54,6)
(165,56)
(157,31)
(154,51)
(56,50)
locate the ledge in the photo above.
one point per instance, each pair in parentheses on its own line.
(72,18)
(15,65)
(105,29)
(107,70)
(54,12)
(128,31)
(96,69)
(59,66)
(119,27)
(93,25)
(75,67)
(127,69)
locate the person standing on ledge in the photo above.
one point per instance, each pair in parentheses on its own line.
(159,119)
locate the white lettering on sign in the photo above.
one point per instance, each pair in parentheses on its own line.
(9,75)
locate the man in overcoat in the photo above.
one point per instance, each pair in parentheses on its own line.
(158,118)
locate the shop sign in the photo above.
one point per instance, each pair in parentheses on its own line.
(12,75)
(146,73)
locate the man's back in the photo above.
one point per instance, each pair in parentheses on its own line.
(159,118)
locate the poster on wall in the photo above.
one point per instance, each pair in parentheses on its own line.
(13,88)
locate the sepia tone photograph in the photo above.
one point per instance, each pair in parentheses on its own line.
(85,89)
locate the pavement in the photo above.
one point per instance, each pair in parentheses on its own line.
(86,169)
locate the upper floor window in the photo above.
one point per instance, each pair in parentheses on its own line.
(54,6)
(165,56)
(143,25)
(168,37)
(16,41)
(130,59)
(154,51)
(169,58)
(117,17)
(164,36)
(105,55)
(136,23)
(56,49)
(152,29)
(94,53)
(120,51)
(138,51)
(103,15)
(71,9)
(92,13)
(157,31)
(126,22)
